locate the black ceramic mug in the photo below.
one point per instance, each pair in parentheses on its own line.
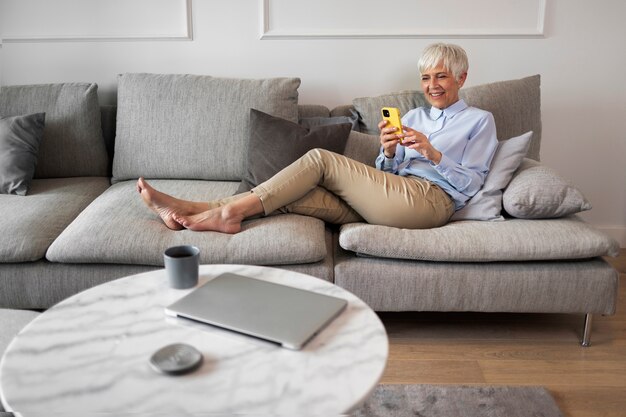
(182,264)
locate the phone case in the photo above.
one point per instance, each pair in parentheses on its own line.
(392,115)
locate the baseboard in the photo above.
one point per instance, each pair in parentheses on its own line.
(616,232)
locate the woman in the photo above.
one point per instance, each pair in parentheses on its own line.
(423,174)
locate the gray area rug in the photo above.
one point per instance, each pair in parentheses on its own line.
(454,400)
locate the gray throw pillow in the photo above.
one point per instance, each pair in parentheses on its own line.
(275,143)
(487,203)
(538,192)
(20,137)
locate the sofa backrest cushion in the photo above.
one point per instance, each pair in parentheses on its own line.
(72,144)
(515,105)
(362,147)
(368,108)
(312,110)
(190,126)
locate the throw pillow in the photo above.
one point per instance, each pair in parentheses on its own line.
(275,143)
(538,192)
(487,203)
(20,137)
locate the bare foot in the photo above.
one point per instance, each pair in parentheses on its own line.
(166,206)
(221,219)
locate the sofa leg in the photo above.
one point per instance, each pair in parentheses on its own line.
(587,330)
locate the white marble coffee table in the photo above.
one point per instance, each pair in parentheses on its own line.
(90,354)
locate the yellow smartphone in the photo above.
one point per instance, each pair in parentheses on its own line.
(392,116)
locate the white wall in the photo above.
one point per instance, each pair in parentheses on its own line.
(581,58)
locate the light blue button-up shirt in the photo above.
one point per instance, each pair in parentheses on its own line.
(466,137)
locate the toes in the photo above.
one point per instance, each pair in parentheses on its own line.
(142,185)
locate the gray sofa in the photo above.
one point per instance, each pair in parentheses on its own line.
(82,222)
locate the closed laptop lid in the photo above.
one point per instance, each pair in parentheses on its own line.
(275,312)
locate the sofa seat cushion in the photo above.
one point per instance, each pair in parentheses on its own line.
(118,228)
(30,223)
(478,241)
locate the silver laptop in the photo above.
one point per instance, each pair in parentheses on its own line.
(278,313)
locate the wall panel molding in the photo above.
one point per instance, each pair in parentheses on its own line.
(330,19)
(96,21)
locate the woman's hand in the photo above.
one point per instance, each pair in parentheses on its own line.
(419,142)
(389,138)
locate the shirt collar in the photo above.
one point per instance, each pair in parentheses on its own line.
(450,111)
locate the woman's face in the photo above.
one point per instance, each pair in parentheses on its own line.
(440,87)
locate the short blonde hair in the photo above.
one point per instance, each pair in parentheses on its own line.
(453,56)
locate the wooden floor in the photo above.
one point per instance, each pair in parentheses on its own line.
(517,349)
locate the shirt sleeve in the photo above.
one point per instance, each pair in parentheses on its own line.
(468,175)
(389,164)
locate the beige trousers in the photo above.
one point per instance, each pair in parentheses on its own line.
(340,190)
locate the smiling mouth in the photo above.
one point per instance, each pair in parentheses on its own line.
(436,95)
